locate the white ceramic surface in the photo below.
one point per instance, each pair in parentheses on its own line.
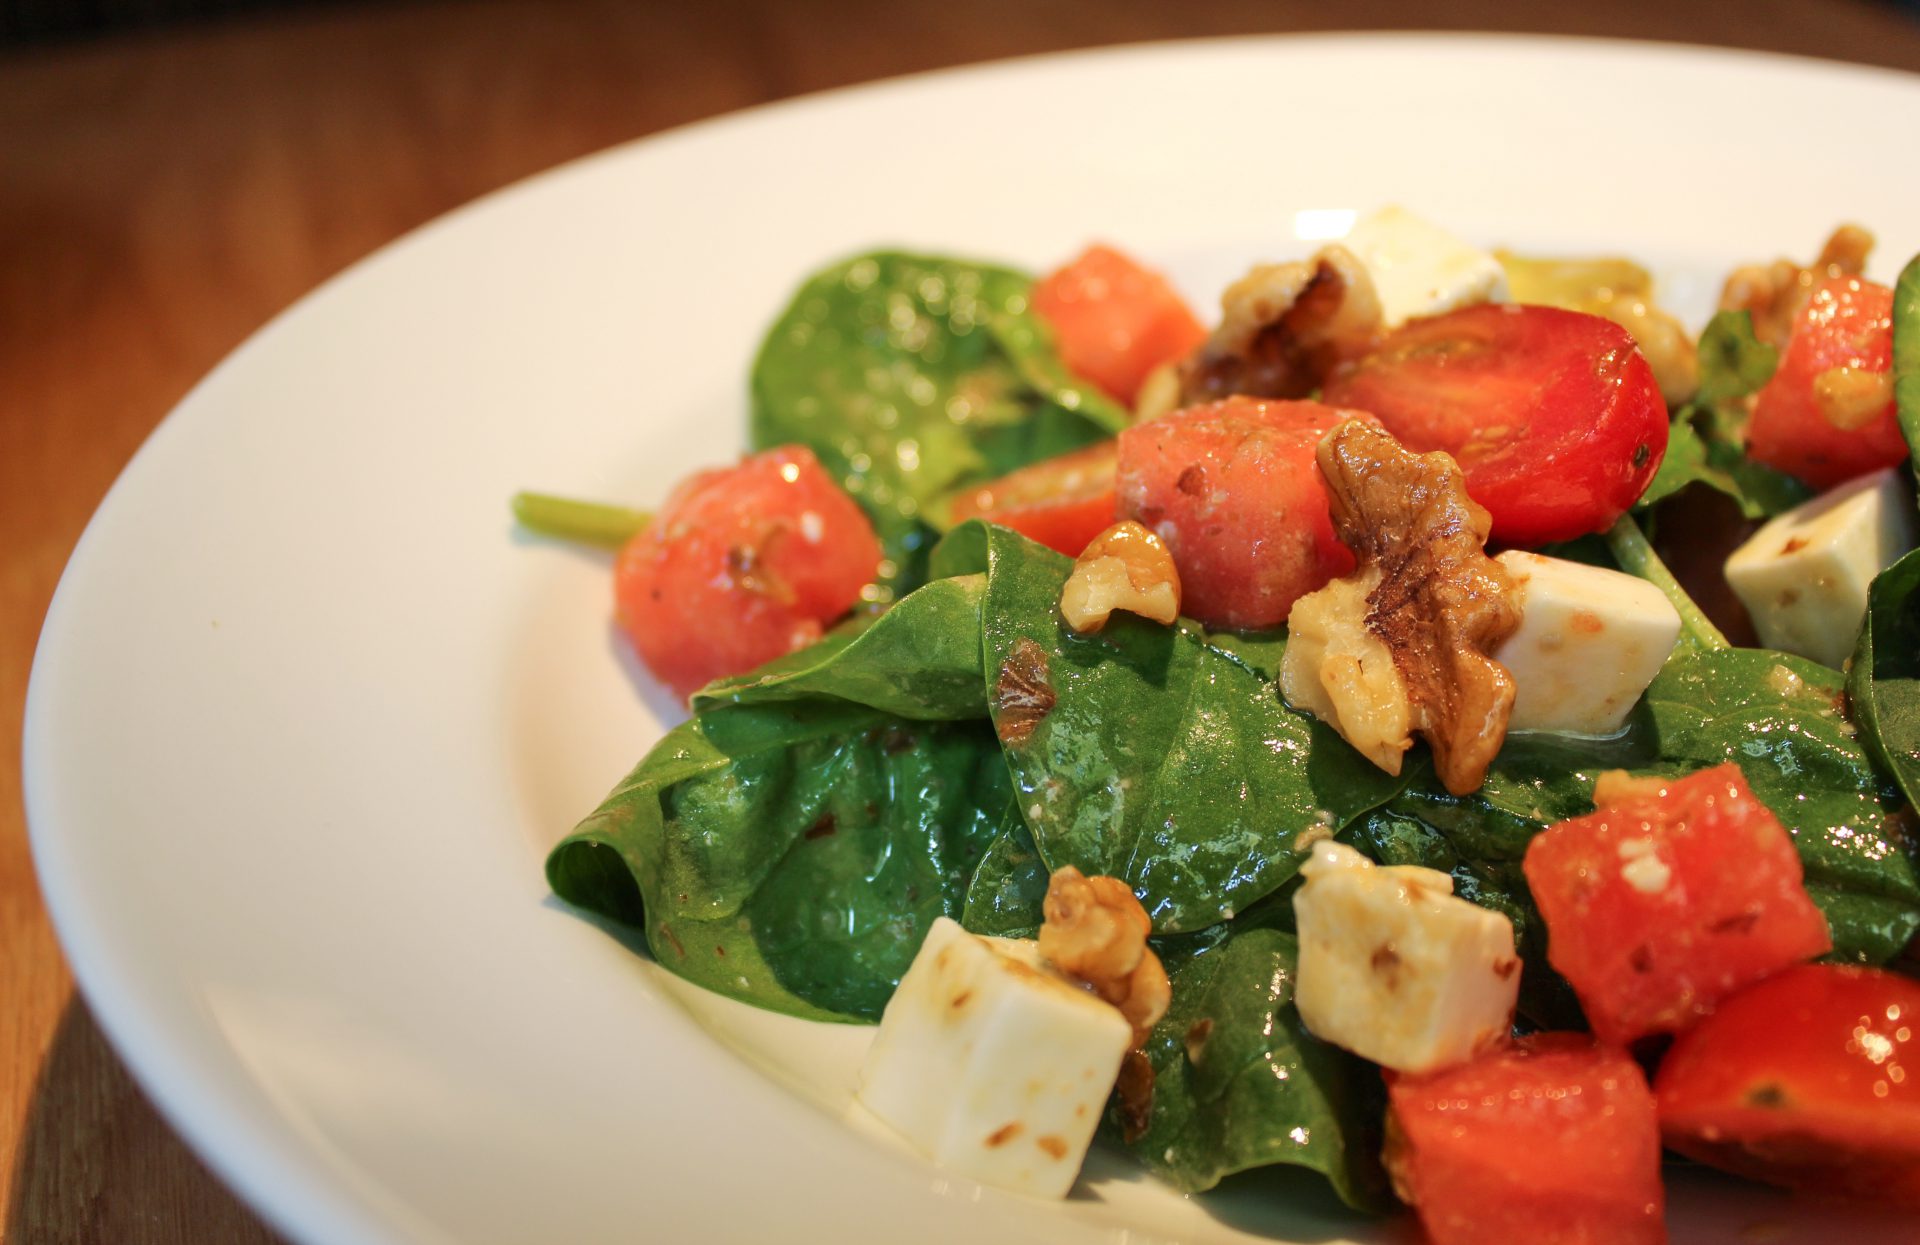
(306,712)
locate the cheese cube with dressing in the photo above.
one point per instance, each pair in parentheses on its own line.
(1803,576)
(1395,968)
(1419,269)
(1589,641)
(991,1064)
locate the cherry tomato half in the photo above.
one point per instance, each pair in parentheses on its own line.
(1810,1079)
(1061,502)
(741,566)
(1115,320)
(1828,414)
(1554,416)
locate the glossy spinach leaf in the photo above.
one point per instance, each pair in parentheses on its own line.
(793,855)
(1782,720)
(1009,886)
(910,375)
(1906,357)
(1705,445)
(1151,753)
(920,659)
(1883,681)
(1239,1083)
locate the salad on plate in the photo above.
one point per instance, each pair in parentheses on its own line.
(1280,742)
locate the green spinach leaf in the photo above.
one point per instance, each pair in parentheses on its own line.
(1782,720)
(910,375)
(1883,682)
(1704,445)
(1906,357)
(1239,1083)
(1153,754)
(793,855)
(920,659)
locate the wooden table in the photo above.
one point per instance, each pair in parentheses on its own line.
(162,196)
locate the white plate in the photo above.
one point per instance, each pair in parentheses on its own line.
(306,714)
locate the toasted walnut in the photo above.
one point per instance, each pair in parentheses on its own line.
(1096,931)
(1127,568)
(1435,602)
(1283,328)
(1344,674)
(1775,293)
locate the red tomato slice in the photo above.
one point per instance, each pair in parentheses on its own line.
(1061,502)
(1661,904)
(741,566)
(1235,492)
(1810,1079)
(1114,321)
(1552,1139)
(1553,416)
(1827,415)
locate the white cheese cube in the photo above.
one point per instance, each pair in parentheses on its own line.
(992,1065)
(1419,269)
(1395,968)
(1803,577)
(1589,642)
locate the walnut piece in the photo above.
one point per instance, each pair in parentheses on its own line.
(1096,932)
(1283,328)
(1775,293)
(1126,567)
(1425,596)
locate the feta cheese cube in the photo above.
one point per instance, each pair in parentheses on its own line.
(1395,968)
(991,1064)
(1589,642)
(1803,577)
(1419,269)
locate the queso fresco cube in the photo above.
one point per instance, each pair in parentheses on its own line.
(991,1065)
(1804,576)
(1395,968)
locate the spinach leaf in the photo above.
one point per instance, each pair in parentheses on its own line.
(1153,754)
(1009,886)
(1239,1083)
(920,659)
(1883,682)
(1782,720)
(1906,357)
(910,375)
(1704,445)
(793,855)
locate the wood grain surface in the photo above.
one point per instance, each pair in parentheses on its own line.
(163,196)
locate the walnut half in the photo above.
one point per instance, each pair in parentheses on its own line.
(1403,645)
(1283,328)
(1096,932)
(1126,567)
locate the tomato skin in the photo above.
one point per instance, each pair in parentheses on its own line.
(1847,323)
(1554,416)
(1550,1140)
(1645,918)
(740,566)
(1061,502)
(1234,490)
(1114,320)
(1810,1079)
